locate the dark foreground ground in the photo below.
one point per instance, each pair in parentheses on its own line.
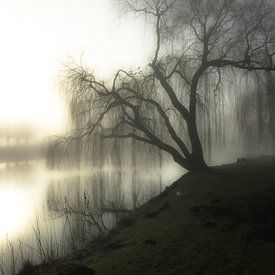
(221,222)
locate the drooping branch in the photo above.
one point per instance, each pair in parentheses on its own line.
(166,119)
(171,93)
(219,63)
(208,36)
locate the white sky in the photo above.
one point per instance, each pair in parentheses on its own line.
(38,36)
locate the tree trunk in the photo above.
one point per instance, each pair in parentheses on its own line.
(196,160)
(271,93)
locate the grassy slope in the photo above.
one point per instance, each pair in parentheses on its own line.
(216,223)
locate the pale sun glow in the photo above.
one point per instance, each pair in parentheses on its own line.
(37,37)
(15,210)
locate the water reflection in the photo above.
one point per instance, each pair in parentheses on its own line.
(15,209)
(20,192)
(41,210)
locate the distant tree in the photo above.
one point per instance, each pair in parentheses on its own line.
(26,132)
(8,133)
(158,105)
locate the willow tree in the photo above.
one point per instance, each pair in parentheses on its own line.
(158,105)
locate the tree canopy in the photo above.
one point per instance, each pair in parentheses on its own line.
(158,104)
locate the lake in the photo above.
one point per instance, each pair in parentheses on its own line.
(45,213)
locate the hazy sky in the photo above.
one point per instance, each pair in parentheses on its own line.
(38,36)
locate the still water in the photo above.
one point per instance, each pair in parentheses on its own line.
(46,213)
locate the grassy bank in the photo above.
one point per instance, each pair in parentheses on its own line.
(220,222)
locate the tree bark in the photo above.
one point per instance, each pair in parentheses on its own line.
(196,159)
(271,94)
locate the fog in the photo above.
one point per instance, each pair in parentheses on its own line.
(81,144)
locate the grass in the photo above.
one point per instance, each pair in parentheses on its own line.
(220,222)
